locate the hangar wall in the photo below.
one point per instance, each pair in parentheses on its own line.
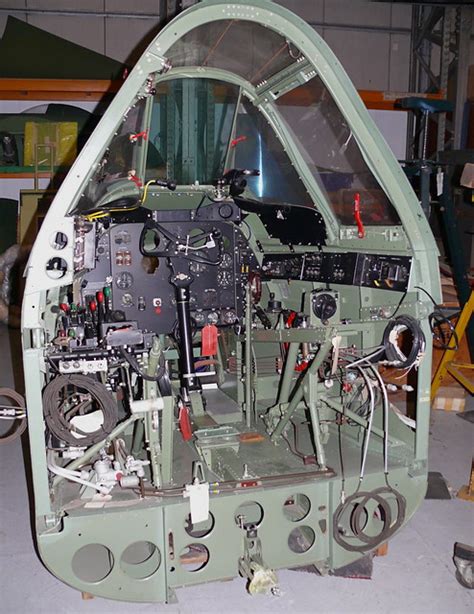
(106,26)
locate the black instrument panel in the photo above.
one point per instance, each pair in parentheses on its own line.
(139,286)
(367,270)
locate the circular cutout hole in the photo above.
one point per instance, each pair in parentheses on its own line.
(56,268)
(140,560)
(194,557)
(92,563)
(58,240)
(301,539)
(200,529)
(296,507)
(248,514)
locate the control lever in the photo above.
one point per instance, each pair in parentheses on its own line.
(182,283)
(235,179)
(171,185)
(262,316)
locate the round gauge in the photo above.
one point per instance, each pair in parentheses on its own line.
(229,316)
(224,279)
(226,262)
(197,268)
(124,280)
(127,300)
(199,317)
(212,317)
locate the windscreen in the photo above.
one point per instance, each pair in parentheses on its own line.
(255,146)
(245,48)
(190,129)
(333,155)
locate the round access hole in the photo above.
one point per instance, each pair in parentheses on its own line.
(296,507)
(248,514)
(92,563)
(194,557)
(140,560)
(301,539)
(200,529)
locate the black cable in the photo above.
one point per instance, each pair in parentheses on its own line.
(196,211)
(436,319)
(358,520)
(393,352)
(55,412)
(392,315)
(133,362)
(428,295)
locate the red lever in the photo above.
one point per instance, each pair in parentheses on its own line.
(93,306)
(185,423)
(209,340)
(134,137)
(357,216)
(237,140)
(100,297)
(132,176)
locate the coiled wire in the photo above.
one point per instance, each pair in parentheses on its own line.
(55,395)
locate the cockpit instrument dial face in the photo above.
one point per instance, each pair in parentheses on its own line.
(124,280)
(224,279)
(198,267)
(213,317)
(226,262)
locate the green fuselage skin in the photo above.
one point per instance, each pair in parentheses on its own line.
(273,477)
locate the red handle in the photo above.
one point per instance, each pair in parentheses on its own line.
(357,216)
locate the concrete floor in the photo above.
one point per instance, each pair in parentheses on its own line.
(417,575)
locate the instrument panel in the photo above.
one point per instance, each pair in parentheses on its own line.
(139,287)
(367,270)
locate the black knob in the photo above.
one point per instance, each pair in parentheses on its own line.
(324,306)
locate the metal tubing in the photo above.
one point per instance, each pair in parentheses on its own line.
(299,393)
(314,415)
(167,427)
(353,416)
(288,373)
(138,435)
(248,357)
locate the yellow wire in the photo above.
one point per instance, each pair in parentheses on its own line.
(145,191)
(97,215)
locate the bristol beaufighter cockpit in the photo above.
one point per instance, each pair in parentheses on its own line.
(213,303)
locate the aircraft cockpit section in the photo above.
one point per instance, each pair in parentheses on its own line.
(230,282)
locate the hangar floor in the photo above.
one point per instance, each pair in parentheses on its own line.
(417,575)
